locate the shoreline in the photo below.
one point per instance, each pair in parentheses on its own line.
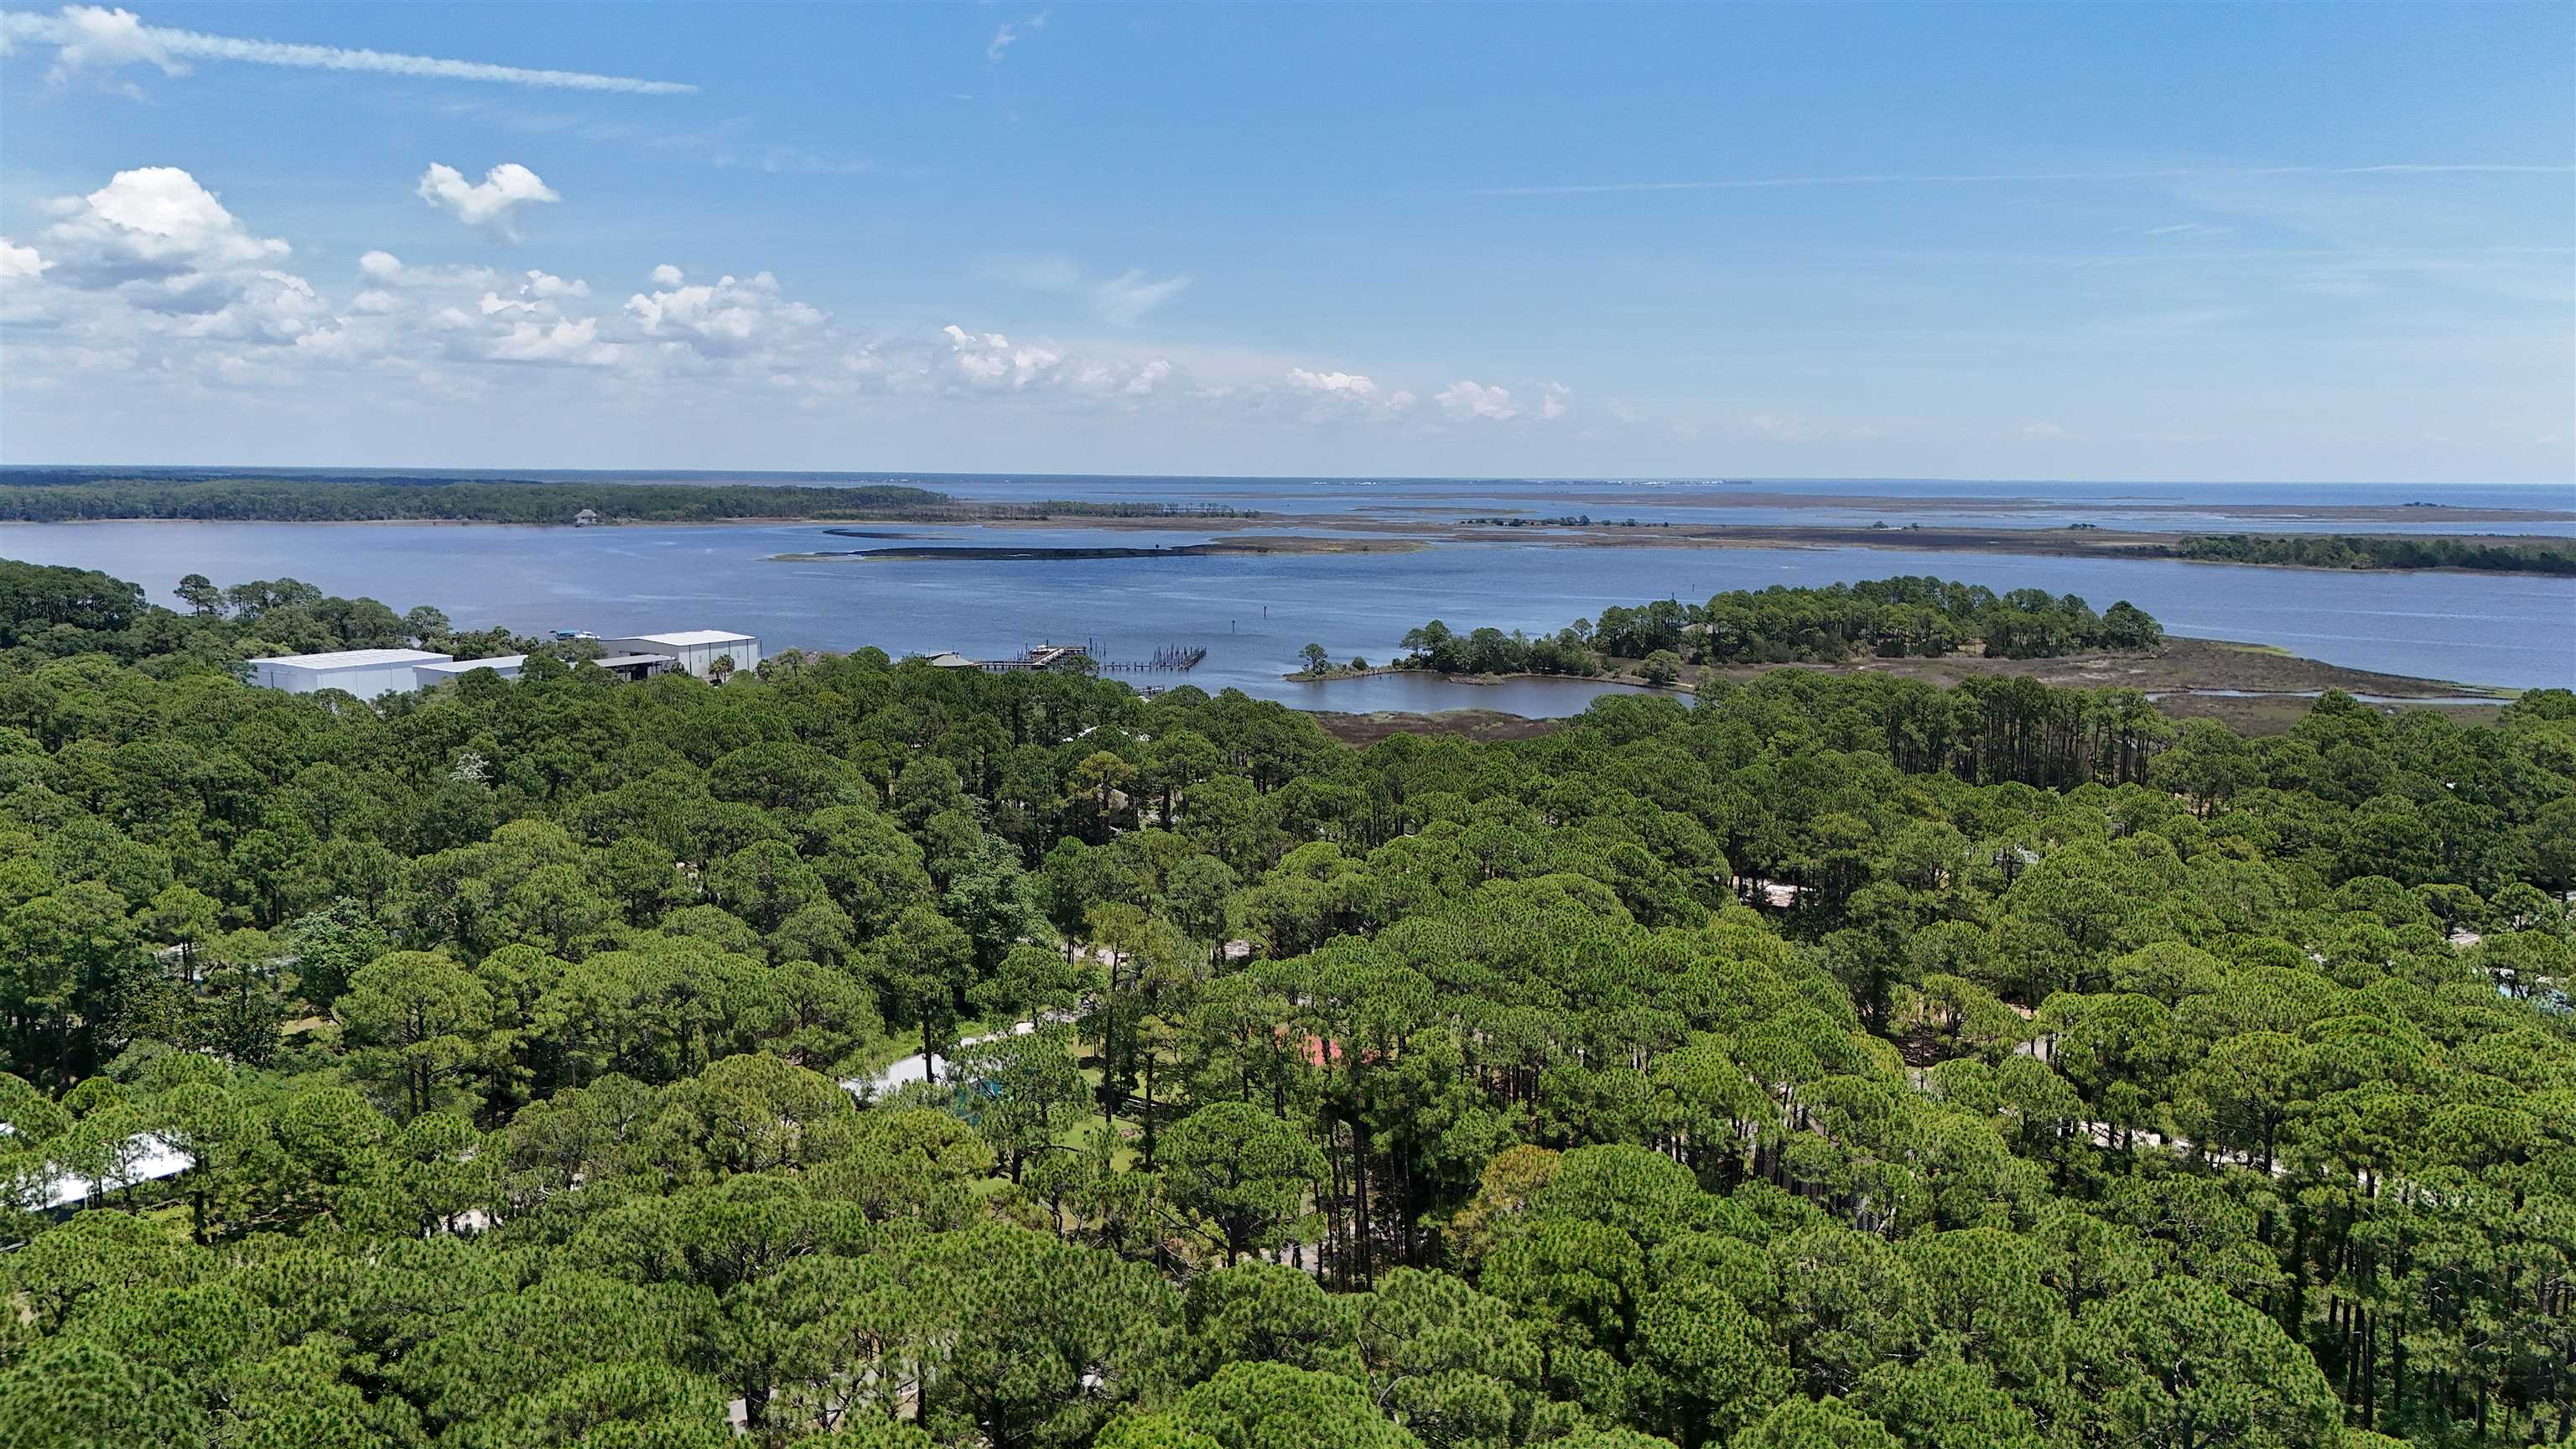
(2252,688)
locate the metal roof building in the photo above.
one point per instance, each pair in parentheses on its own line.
(365,673)
(505,665)
(695,650)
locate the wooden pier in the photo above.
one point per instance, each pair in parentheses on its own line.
(1171,659)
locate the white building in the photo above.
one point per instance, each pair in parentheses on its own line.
(695,650)
(505,665)
(365,673)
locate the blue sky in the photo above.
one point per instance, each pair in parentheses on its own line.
(1946,240)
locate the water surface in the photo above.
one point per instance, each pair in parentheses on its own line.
(1254,612)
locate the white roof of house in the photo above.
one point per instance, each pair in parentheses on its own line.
(949,659)
(465,666)
(681,639)
(154,1159)
(355,658)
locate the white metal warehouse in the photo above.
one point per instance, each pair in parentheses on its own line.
(365,673)
(695,650)
(448,672)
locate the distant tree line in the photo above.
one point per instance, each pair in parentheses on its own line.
(2354,551)
(1919,617)
(40,496)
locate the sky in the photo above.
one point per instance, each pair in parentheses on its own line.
(2231,242)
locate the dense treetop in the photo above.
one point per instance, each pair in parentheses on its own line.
(1888,618)
(1840,1061)
(2367,551)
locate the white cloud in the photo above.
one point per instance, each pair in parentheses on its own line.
(155,222)
(156,241)
(18,264)
(1468,399)
(152,279)
(2042,432)
(88,36)
(542,284)
(565,340)
(728,319)
(1010,33)
(1338,384)
(493,202)
(988,359)
(1152,375)
(1328,394)
(94,37)
(1552,401)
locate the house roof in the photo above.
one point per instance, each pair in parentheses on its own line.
(464,666)
(355,658)
(683,638)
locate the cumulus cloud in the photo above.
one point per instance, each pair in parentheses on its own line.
(543,284)
(92,37)
(1334,384)
(493,202)
(967,363)
(153,222)
(152,277)
(161,243)
(1468,399)
(565,340)
(726,319)
(1324,394)
(1552,401)
(19,263)
(1010,33)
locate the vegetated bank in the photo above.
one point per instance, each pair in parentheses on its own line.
(1910,617)
(1919,628)
(2379,551)
(39,497)
(1844,1060)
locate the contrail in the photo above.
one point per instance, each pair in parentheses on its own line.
(1991,178)
(91,34)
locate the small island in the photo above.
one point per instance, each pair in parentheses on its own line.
(1929,630)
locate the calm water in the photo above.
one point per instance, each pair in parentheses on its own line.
(1254,612)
